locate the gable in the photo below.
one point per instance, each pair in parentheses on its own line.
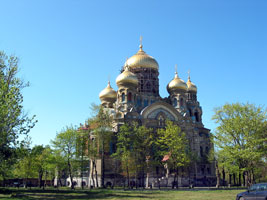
(160,108)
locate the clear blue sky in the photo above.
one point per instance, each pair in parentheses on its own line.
(68,49)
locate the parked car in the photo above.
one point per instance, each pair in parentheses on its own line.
(255,192)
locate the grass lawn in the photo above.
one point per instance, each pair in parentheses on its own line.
(100,194)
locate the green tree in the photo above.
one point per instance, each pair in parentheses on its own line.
(124,151)
(143,142)
(13,121)
(65,146)
(103,132)
(48,160)
(241,137)
(81,147)
(41,160)
(174,145)
(92,152)
(38,161)
(134,150)
(24,168)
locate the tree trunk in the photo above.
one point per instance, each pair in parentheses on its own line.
(128,177)
(135,179)
(253,177)
(96,177)
(143,177)
(174,179)
(218,175)
(82,169)
(102,167)
(223,173)
(177,178)
(92,176)
(157,171)
(115,174)
(245,175)
(70,173)
(239,178)
(40,178)
(234,177)
(230,179)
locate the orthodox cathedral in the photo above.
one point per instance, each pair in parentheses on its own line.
(138,99)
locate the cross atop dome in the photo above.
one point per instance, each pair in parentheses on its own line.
(141,45)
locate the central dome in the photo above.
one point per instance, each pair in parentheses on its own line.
(142,60)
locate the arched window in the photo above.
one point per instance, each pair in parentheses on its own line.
(122,97)
(174,102)
(201,151)
(190,112)
(181,102)
(196,116)
(207,150)
(129,97)
(139,103)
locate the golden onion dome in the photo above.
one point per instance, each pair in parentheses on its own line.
(127,77)
(191,87)
(142,60)
(108,94)
(176,84)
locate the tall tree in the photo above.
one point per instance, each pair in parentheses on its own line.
(124,150)
(103,132)
(38,161)
(241,136)
(23,168)
(174,147)
(41,161)
(13,121)
(82,144)
(65,145)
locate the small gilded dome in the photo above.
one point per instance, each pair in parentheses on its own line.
(127,77)
(142,60)
(108,94)
(176,84)
(191,87)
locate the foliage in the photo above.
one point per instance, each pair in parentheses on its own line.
(65,147)
(24,166)
(13,121)
(174,144)
(138,146)
(241,136)
(103,133)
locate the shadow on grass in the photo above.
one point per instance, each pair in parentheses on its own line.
(26,194)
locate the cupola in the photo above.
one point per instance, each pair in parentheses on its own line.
(176,84)
(108,94)
(127,78)
(191,87)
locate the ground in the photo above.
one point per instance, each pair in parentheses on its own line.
(100,194)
